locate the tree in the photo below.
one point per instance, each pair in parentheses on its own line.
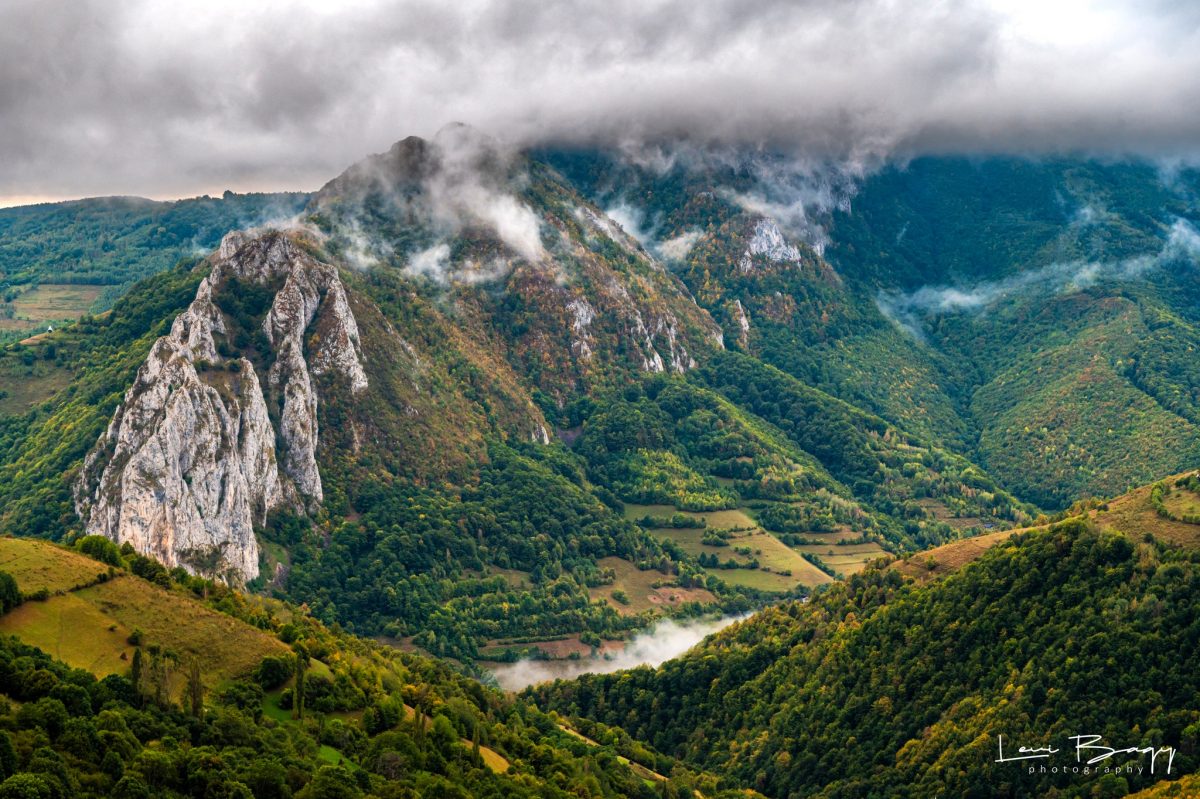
(101,548)
(301,671)
(25,786)
(10,594)
(195,690)
(274,671)
(8,755)
(136,670)
(332,782)
(112,765)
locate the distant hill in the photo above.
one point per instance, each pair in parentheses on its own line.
(59,261)
(1136,514)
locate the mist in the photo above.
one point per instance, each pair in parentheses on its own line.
(1182,247)
(665,640)
(461,179)
(136,97)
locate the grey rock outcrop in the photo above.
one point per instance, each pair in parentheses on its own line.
(189,464)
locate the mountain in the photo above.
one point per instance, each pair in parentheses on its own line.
(494,406)
(543,277)
(889,686)
(189,464)
(1034,316)
(455,385)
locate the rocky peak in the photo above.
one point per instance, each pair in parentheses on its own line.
(189,464)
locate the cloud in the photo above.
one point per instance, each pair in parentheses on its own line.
(665,640)
(677,248)
(460,181)
(432,262)
(1182,246)
(471,186)
(132,96)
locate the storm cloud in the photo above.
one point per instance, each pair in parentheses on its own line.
(171,99)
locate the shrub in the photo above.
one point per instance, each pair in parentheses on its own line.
(274,671)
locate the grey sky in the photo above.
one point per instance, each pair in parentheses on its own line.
(180,98)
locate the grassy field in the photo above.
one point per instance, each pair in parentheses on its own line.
(73,630)
(89,627)
(56,301)
(846,559)
(1133,515)
(639,586)
(774,557)
(948,557)
(20,392)
(734,519)
(36,564)
(514,577)
(1182,502)
(224,646)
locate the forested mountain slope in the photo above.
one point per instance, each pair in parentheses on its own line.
(882,686)
(1035,316)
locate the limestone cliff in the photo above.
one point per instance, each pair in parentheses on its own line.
(201,449)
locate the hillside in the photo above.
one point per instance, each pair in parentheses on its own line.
(1036,317)
(900,688)
(204,704)
(1136,514)
(411,415)
(89,617)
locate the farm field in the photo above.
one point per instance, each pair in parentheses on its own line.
(774,557)
(639,587)
(737,518)
(846,559)
(55,301)
(49,304)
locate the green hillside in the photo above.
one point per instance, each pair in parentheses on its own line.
(202,702)
(1034,316)
(886,687)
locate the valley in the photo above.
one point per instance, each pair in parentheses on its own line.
(554,480)
(643,400)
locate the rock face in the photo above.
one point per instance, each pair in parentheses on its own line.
(189,464)
(767,242)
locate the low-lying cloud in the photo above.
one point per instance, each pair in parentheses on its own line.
(459,180)
(908,309)
(665,640)
(137,97)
